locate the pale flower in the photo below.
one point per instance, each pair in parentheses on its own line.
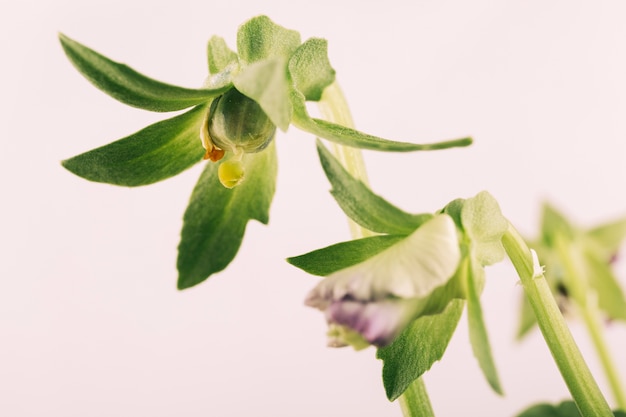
(376,299)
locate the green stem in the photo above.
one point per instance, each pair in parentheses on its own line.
(334,107)
(595,329)
(588,306)
(567,356)
(415,402)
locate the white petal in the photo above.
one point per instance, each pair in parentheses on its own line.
(412,268)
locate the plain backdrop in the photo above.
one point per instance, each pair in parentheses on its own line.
(91,323)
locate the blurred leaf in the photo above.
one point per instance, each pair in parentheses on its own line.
(527,319)
(216,218)
(260,38)
(130,87)
(325,261)
(362,205)
(266,83)
(610,295)
(310,68)
(417,348)
(350,137)
(155,153)
(609,237)
(554,223)
(565,409)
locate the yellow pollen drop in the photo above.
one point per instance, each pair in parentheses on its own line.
(231,173)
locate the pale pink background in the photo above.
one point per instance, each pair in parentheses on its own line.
(90,321)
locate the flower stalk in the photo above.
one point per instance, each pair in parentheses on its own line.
(567,356)
(334,107)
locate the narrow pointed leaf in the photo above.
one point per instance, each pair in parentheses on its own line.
(350,137)
(310,68)
(527,319)
(362,205)
(325,261)
(479,338)
(216,218)
(155,153)
(219,55)
(130,87)
(260,38)
(418,348)
(266,83)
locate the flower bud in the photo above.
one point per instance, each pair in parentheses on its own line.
(237,123)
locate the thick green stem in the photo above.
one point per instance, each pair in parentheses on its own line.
(587,304)
(567,356)
(414,402)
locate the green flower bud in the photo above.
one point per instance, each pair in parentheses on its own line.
(237,123)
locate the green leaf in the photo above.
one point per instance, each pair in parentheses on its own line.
(260,38)
(609,237)
(130,87)
(601,278)
(479,338)
(155,153)
(350,137)
(555,224)
(310,68)
(527,318)
(266,83)
(484,224)
(362,205)
(325,261)
(219,55)
(418,348)
(565,409)
(216,218)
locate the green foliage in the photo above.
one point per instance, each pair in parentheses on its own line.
(260,38)
(564,409)
(362,205)
(155,153)
(310,69)
(484,225)
(418,348)
(219,55)
(266,82)
(578,264)
(216,218)
(130,87)
(350,137)
(325,261)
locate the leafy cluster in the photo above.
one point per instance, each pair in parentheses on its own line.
(578,265)
(274,74)
(479,227)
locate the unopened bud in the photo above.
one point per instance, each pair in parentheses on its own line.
(237,123)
